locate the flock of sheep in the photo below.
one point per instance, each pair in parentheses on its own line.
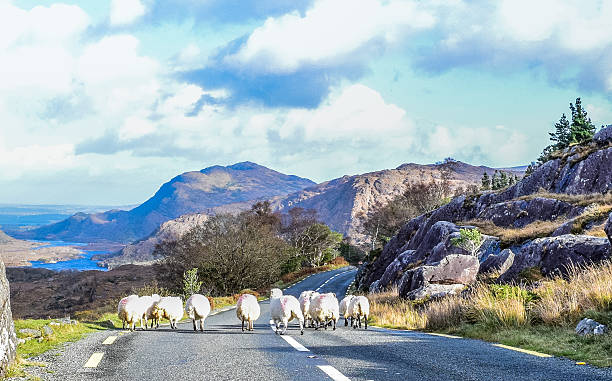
(311,310)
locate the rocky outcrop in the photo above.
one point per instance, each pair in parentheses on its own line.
(453,270)
(608,228)
(604,135)
(583,169)
(8,339)
(556,255)
(141,252)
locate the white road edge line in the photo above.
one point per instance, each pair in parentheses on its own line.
(94,360)
(333,373)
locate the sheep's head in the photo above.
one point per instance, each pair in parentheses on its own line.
(276,293)
(314,295)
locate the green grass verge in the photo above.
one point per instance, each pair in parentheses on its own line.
(556,341)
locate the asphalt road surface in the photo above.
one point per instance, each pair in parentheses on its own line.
(223,352)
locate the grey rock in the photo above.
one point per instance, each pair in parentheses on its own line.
(604,135)
(47,331)
(555,255)
(395,270)
(608,228)
(497,262)
(8,338)
(566,228)
(520,213)
(30,332)
(374,287)
(590,327)
(435,291)
(453,269)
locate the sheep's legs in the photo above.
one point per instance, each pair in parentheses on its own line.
(365,318)
(334,324)
(194,324)
(202,325)
(242,325)
(276,323)
(359,321)
(345,322)
(301,327)
(285,324)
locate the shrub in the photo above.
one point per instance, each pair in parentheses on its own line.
(469,240)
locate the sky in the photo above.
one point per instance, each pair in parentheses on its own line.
(103,101)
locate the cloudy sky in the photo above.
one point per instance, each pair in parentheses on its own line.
(102,101)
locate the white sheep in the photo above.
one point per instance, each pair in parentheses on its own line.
(324,310)
(146,305)
(150,311)
(359,308)
(197,308)
(283,309)
(247,309)
(304,299)
(344,304)
(171,308)
(129,311)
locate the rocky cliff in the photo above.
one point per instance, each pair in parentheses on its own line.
(555,218)
(344,203)
(8,338)
(191,192)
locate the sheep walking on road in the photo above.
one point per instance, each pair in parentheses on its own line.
(305,298)
(324,310)
(359,308)
(247,310)
(283,309)
(344,312)
(129,311)
(171,308)
(150,314)
(197,308)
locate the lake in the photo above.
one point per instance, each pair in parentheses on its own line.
(79,264)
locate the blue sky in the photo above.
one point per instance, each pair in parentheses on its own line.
(101,102)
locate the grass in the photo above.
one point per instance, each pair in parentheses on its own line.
(574,199)
(541,319)
(513,236)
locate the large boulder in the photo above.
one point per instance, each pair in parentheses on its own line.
(555,255)
(8,338)
(608,228)
(522,212)
(497,262)
(395,270)
(452,270)
(434,291)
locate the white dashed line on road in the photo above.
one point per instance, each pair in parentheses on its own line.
(94,360)
(333,373)
(293,342)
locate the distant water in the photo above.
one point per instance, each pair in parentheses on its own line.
(79,264)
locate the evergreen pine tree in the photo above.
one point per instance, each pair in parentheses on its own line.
(529,170)
(503,180)
(562,135)
(495,181)
(486,181)
(581,129)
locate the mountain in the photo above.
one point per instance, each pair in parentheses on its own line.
(191,192)
(344,202)
(552,221)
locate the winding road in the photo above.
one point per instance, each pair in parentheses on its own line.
(223,352)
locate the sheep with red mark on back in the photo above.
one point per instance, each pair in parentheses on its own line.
(283,309)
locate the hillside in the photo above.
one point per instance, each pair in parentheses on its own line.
(344,202)
(191,192)
(556,218)
(141,252)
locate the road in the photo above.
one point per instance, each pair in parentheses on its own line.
(223,352)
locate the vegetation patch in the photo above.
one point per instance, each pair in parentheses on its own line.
(540,318)
(574,199)
(514,236)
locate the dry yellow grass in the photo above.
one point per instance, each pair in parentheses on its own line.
(564,301)
(510,236)
(559,302)
(574,199)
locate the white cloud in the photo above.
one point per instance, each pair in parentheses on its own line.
(329,31)
(124,12)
